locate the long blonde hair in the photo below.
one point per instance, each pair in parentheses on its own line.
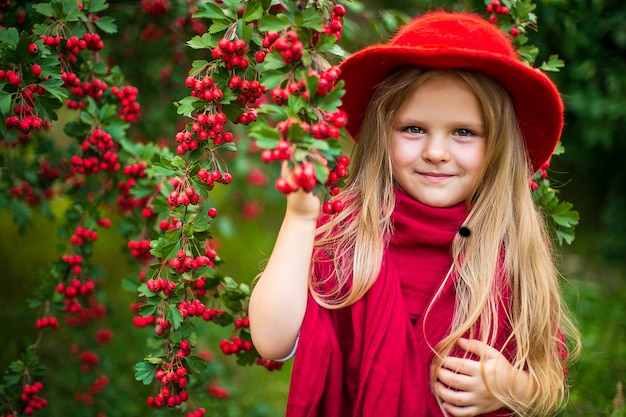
(502,213)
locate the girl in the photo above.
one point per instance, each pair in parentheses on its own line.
(434,291)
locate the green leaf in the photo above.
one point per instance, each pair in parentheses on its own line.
(96,6)
(311,18)
(201,42)
(212,11)
(10,36)
(158,170)
(174,316)
(188,105)
(5,102)
(147,310)
(44,9)
(273,23)
(106,24)
(144,372)
(564,215)
(554,64)
(196,363)
(272,61)
(253,11)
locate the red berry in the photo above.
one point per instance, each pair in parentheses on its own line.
(36,70)
(33,49)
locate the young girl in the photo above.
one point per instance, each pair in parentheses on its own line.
(434,291)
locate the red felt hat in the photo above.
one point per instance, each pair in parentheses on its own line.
(451,40)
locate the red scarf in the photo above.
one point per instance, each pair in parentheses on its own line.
(372,359)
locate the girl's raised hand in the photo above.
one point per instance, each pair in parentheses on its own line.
(467,387)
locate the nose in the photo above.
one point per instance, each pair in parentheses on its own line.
(436,149)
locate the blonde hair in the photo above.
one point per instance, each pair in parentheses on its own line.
(513,236)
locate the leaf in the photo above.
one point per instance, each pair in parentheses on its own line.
(5,102)
(188,105)
(212,11)
(564,215)
(253,12)
(10,36)
(107,24)
(272,61)
(201,42)
(273,23)
(311,19)
(144,372)
(174,316)
(96,6)
(158,170)
(196,363)
(44,9)
(554,64)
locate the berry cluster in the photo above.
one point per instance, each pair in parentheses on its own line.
(94,89)
(183,197)
(130,109)
(269,364)
(105,158)
(183,263)
(82,235)
(161,285)
(335,25)
(540,175)
(73,291)
(25,116)
(494,9)
(88,361)
(74,262)
(26,192)
(98,385)
(302,176)
(32,402)
(155,8)
(282,152)
(200,412)
(193,308)
(205,88)
(126,201)
(173,379)
(218,392)
(214,176)
(289,47)
(231,53)
(47,322)
(140,250)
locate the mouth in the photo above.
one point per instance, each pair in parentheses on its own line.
(435,176)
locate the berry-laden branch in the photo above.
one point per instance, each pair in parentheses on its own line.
(256,52)
(516,17)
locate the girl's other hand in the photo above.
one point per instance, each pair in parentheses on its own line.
(466,387)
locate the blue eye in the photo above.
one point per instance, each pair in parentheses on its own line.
(464,132)
(414,130)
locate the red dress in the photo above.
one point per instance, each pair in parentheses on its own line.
(372,359)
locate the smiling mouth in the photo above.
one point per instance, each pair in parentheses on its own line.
(435,176)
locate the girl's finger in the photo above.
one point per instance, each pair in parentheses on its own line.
(455,381)
(461,365)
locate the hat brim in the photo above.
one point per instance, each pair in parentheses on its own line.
(535,97)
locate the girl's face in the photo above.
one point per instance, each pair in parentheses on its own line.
(438,144)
